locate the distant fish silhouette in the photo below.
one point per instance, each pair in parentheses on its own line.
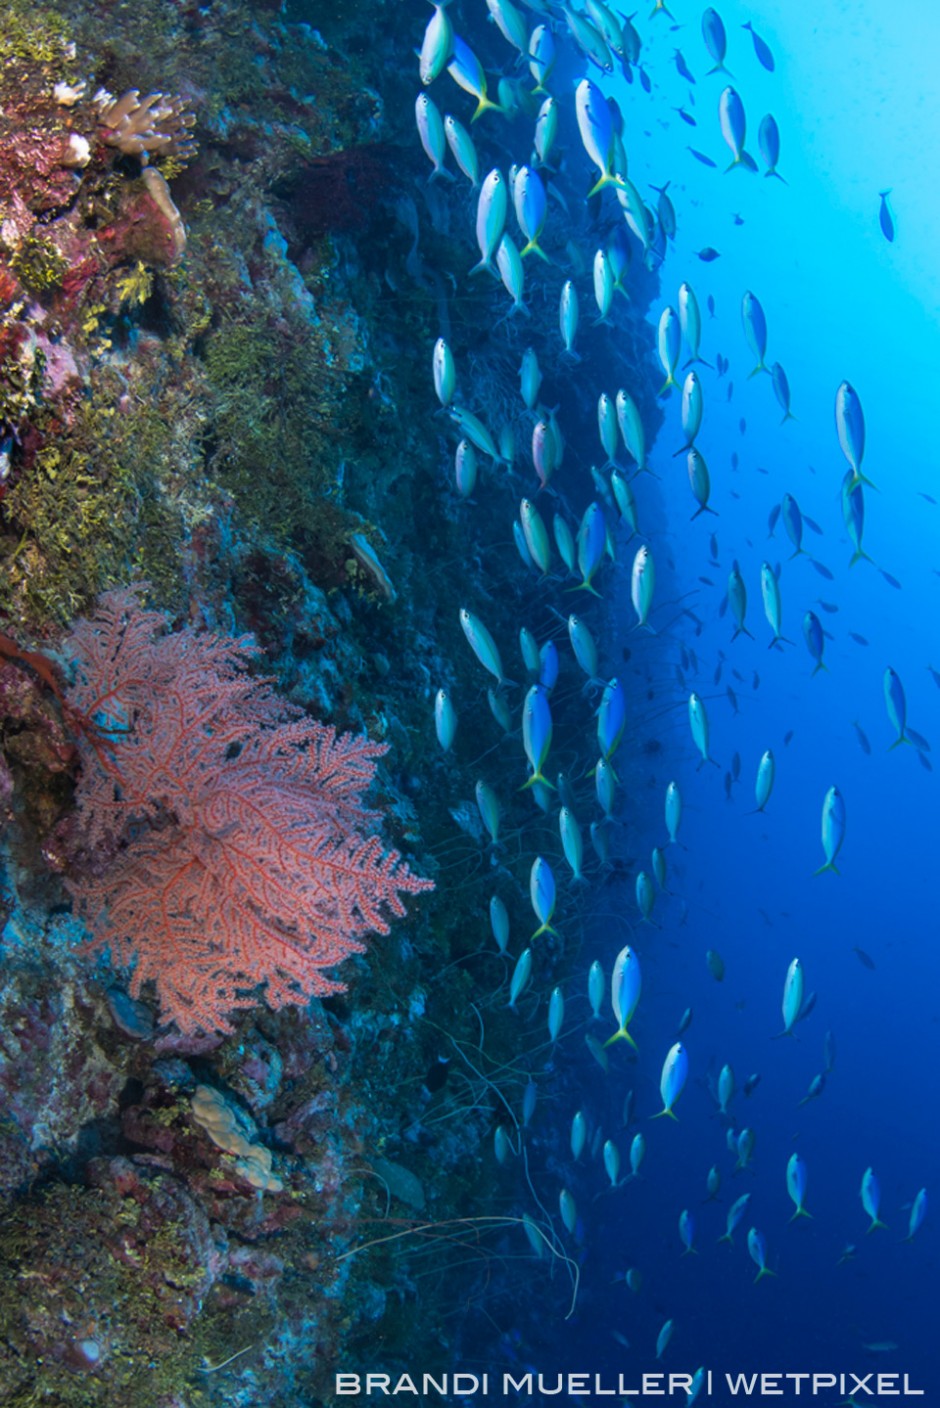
(864,959)
(761,49)
(700,156)
(708,254)
(884,217)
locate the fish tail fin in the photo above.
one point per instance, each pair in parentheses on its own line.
(700,360)
(726,1237)
(705,508)
(533,247)
(719,68)
(440,173)
(606,178)
(819,667)
(882,194)
(743,631)
(621,1035)
(902,738)
(536,777)
(789,416)
(875,1223)
(830,865)
(859,478)
(858,555)
(670,1113)
(774,172)
(482,264)
(764,1271)
(485,104)
(690,1251)
(545,928)
(801,1212)
(761,367)
(667,385)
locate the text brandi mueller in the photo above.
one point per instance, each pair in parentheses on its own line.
(650,1385)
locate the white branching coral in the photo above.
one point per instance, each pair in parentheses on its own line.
(155,125)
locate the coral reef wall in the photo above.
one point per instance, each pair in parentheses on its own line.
(217,311)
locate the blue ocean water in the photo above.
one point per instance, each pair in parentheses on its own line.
(853,97)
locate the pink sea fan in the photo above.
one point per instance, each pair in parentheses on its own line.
(229,843)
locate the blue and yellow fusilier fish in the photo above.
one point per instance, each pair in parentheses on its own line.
(737,600)
(499,923)
(716,40)
(631,427)
(603,276)
(564,542)
(521,977)
(850,427)
(645,896)
(734,129)
(918,1213)
(542,893)
(796,1185)
(482,644)
(755,330)
(444,372)
(625,985)
(673,1079)
(605,785)
(467,72)
(768,139)
(781,390)
(687,1231)
(488,806)
(473,428)
(766,772)
(568,1209)
(595,125)
(815,640)
(608,26)
(853,515)
(556,1014)
(578,1134)
(690,320)
(543,55)
(536,535)
(757,1248)
(896,705)
(512,274)
(673,812)
(437,45)
(770,595)
(596,988)
(537,734)
(583,645)
(607,427)
(546,130)
(445,719)
(663,1338)
(530,378)
(611,718)
(870,1194)
(510,22)
(612,1162)
(642,583)
(637,1154)
(698,723)
(792,520)
(431,132)
(492,209)
(544,451)
(589,39)
(699,480)
(792,996)
(725,1088)
(531,207)
(568,314)
(465,468)
(463,150)
(668,343)
(624,499)
(734,1215)
(548,666)
(833,828)
(693,405)
(571,841)
(591,545)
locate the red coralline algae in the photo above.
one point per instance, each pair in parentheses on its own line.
(227,842)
